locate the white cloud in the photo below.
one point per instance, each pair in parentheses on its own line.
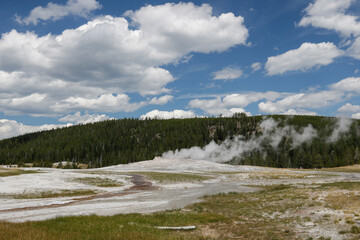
(355,116)
(223,105)
(161,100)
(354,49)
(307,56)
(103,103)
(227,73)
(11,128)
(351,84)
(348,107)
(53,11)
(107,57)
(330,14)
(210,106)
(232,111)
(184,27)
(178,114)
(299,112)
(256,66)
(77,118)
(299,101)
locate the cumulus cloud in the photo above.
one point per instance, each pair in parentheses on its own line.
(105,102)
(307,56)
(178,114)
(256,66)
(232,111)
(161,100)
(184,27)
(348,108)
(331,14)
(354,49)
(78,118)
(351,84)
(223,105)
(11,128)
(298,112)
(355,116)
(227,73)
(69,77)
(53,11)
(300,101)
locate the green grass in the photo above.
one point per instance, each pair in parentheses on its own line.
(348,169)
(14,172)
(353,186)
(99,182)
(50,194)
(130,226)
(173,177)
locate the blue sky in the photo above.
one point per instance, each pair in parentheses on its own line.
(78,61)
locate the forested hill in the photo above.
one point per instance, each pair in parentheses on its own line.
(131,140)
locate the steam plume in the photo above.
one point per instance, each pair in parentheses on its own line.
(230,149)
(342,126)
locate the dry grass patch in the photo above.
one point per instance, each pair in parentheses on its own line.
(278,175)
(258,215)
(162,177)
(50,194)
(6,172)
(346,201)
(350,186)
(99,182)
(348,169)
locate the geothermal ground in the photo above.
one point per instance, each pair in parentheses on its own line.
(164,184)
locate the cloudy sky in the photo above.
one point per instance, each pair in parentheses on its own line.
(67,62)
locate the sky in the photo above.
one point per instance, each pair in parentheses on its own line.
(66,62)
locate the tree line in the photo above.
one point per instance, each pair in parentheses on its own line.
(131,140)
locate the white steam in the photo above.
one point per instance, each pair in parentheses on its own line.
(213,152)
(232,148)
(342,126)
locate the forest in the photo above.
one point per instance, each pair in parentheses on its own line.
(131,140)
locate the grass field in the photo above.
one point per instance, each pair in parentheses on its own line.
(163,177)
(99,182)
(346,169)
(50,194)
(6,172)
